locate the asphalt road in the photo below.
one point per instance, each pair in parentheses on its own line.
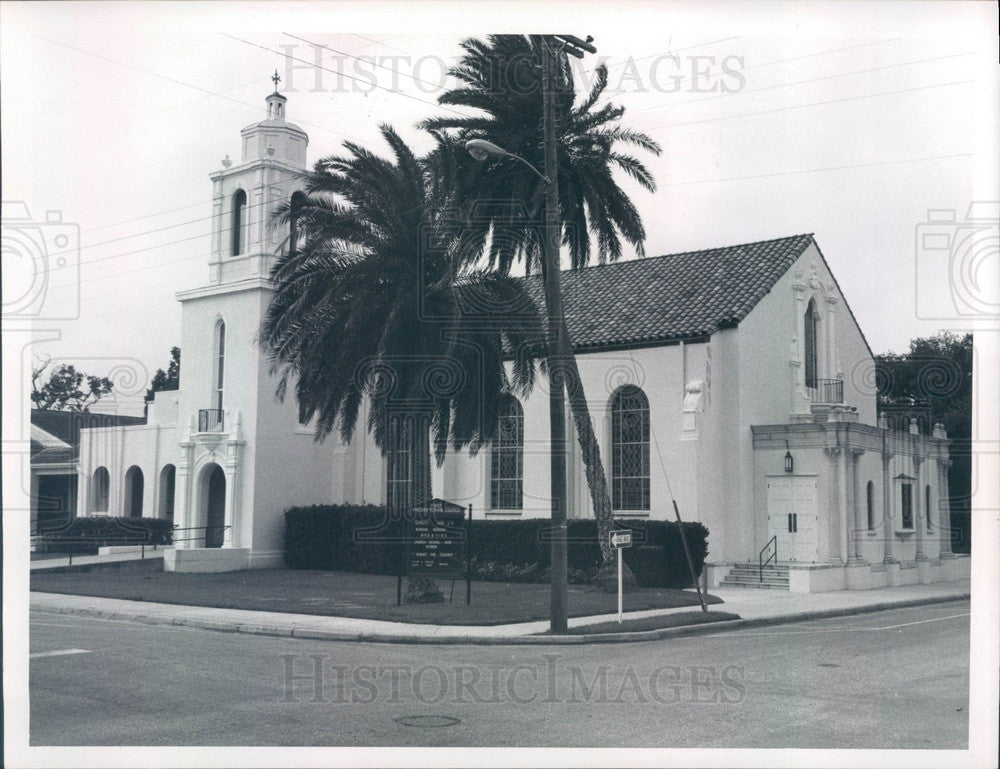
(894,679)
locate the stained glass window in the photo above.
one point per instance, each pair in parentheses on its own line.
(630,449)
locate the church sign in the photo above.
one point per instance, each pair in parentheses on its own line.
(437,542)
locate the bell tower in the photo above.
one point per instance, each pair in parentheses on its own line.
(235,437)
(244,243)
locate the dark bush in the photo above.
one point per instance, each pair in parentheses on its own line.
(363,539)
(86,535)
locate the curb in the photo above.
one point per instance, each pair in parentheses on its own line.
(704,628)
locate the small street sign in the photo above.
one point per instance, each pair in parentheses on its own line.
(620,540)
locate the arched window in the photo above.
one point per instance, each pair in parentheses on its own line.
(295,206)
(133,492)
(219,377)
(811,322)
(100,491)
(870,499)
(507,457)
(239,237)
(629,449)
(168,476)
(927,507)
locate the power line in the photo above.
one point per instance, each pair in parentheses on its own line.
(668,184)
(821,170)
(813,104)
(206,91)
(143,234)
(803,82)
(664,53)
(414,78)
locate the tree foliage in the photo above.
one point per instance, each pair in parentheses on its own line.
(169,379)
(935,377)
(935,373)
(372,304)
(501,77)
(66,389)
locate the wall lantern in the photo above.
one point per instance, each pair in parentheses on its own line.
(789,460)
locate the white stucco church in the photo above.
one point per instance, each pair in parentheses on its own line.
(735,379)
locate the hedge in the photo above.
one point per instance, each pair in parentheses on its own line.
(86,535)
(323,537)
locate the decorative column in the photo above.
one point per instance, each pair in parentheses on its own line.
(944,507)
(182,489)
(830,337)
(887,532)
(855,457)
(837,527)
(919,500)
(799,404)
(234,452)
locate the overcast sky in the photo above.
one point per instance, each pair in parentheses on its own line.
(847,120)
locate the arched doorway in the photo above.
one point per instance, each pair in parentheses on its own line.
(168,476)
(133,492)
(214,505)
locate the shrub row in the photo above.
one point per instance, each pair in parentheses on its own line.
(86,535)
(365,539)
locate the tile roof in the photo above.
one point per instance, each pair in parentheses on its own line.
(672,297)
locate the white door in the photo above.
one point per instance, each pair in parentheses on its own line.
(791,517)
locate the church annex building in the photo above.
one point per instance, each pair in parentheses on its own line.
(735,378)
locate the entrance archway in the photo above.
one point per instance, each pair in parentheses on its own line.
(214,505)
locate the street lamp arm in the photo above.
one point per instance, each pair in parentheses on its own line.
(538,173)
(481,149)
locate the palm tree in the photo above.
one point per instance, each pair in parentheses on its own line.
(502,77)
(370,304)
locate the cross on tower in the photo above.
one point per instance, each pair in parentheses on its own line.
(277,79)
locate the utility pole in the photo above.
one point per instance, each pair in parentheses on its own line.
(555,328)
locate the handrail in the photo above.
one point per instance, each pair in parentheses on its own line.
(761,563)
(123,540)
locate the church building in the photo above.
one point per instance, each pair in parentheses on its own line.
(734,380)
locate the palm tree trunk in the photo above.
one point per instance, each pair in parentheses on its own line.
(591,453)
(420,589)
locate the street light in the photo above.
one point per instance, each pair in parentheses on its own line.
(480,149)
(557,343)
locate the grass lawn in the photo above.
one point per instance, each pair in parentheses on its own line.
(334,593)
(653,623)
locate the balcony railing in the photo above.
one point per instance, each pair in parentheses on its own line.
(827,391)
(903,417)
(210,421)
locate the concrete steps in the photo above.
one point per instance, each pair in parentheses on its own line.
(775,577)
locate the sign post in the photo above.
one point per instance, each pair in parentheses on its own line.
(619,541)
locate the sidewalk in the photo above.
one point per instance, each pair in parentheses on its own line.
(755,607)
